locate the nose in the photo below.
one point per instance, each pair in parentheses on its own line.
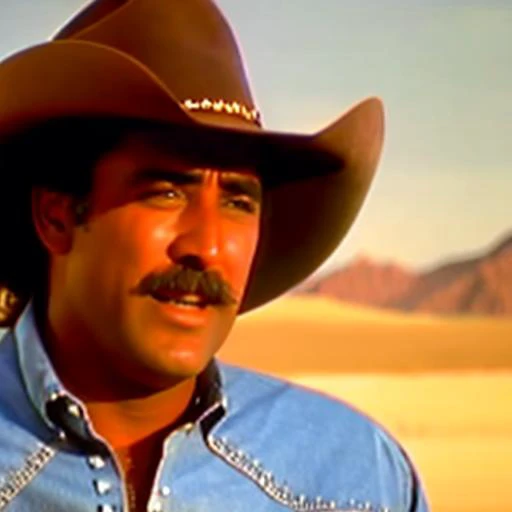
(198,241)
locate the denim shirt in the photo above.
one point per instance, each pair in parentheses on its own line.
(259,445)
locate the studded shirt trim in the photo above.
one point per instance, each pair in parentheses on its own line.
(17,480)
(280,492)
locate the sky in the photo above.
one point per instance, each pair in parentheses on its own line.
(443,69)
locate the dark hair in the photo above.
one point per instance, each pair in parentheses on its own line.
(58,155)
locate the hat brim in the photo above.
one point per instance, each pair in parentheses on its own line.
(316,183)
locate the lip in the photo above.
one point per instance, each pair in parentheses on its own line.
(186,317)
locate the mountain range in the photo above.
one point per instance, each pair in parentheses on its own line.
(480,285)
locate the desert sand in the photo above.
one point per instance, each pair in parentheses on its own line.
(310,335)
(441,386)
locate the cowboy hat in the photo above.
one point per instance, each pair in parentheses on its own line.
(177,63)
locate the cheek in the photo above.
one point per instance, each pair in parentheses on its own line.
(123,246)
(240,248)
(146,237)
(145,243)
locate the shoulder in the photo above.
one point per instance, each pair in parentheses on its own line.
(8,359)
(294,427)
(252,393)
(16,409)
(12,393)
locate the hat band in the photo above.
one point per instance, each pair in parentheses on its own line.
(232,108)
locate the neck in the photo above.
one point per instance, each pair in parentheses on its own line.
(122,411)
(124,423)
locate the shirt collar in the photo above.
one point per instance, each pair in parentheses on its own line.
(40,379)
(207,406)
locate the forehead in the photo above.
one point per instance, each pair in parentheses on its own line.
(161,149)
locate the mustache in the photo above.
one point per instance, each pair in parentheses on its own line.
(209,284)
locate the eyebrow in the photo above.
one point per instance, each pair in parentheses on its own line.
(232,182)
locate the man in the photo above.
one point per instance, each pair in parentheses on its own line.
(144,208)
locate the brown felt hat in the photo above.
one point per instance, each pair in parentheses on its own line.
(176,63)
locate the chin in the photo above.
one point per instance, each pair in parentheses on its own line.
(169,356)
(187,365)
(165,370)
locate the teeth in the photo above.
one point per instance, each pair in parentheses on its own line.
(190,301)
(183,303)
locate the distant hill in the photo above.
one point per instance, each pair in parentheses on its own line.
(480,285)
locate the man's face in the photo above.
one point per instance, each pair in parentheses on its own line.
(134,275)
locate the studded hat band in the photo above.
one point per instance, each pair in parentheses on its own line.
(232,108)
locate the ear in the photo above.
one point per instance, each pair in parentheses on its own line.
(54,220)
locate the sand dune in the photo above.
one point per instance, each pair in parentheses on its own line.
(316,335)
(323,309)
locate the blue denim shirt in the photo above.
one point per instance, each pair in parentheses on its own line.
(259,445)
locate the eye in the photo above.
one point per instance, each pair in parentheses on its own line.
(163,196)
(243,204)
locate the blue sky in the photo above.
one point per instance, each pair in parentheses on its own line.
(443,69)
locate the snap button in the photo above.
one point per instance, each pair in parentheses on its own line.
(55,395)
(74,410)
(106,508)
(102,487)
(96,462)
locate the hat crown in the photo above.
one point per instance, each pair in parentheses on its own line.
(187,44)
